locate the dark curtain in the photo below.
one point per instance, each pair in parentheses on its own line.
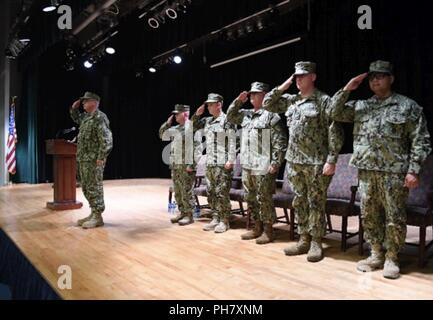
(27,149)
(137,102)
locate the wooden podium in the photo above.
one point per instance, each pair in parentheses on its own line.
(65,174)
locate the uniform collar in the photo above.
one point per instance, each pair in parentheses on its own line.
(92,115)
(392,99)
(258,112)
(312,97)
(220,118)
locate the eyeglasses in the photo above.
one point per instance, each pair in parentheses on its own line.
(378,76)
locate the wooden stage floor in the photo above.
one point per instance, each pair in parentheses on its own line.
(139,254)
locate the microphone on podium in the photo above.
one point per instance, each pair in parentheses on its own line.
(69,130)
(65,131)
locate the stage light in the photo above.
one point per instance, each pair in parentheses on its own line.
(110,50)
(249,27)
(152,70)
(171,13)
(182,7)
(230,35)
(169,10)
(69,66)
(87,64)
(70,53)
(51,7)
(15,48)
(260,24)
(9,54)
(93,59)
(25,40)
(177,59)
(241,32)
(153,23)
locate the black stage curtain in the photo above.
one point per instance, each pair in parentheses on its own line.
(137,104)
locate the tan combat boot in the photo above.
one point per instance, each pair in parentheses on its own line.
(315,254)
(80,222)
(267,235)
(391,269)
(177,218)
(94,222)
(255,233)
(301,247)
(186,220)
(374,261)
(211,225)
(223,226)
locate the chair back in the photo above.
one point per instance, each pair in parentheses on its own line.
(237,172)
(345,177)
(286,185)
(201,167)
(418,197)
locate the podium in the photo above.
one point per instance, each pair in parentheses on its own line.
(65,174)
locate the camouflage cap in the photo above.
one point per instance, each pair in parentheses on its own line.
(90,96)
(380,66)
(304,67)
(259,87)
(214,97)
(179,108)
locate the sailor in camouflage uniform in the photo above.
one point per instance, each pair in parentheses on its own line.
(219,161)
(263,146)
(182,162)
(391,141)
(312,152)
(95,142)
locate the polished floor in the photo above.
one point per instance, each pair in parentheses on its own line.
(139,254)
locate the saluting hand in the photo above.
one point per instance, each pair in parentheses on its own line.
(200,110)
(170,120)
(243,97)
(76,104)
(354,83)
(286,85)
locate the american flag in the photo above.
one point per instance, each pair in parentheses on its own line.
(11,162)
